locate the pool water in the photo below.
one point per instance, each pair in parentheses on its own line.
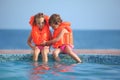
(94,67)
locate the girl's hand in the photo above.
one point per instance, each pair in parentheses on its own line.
(43,43)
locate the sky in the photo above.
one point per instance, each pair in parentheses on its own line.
(83,14)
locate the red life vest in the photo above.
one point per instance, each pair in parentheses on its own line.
(67,37)
(40,35)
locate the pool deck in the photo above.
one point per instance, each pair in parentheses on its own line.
(79,51)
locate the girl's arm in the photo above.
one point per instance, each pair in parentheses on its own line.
(29,41)
(57,38)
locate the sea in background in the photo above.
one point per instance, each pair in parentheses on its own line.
(83,39)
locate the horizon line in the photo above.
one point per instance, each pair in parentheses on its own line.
(72,29)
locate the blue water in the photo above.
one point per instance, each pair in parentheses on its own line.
(21,67)
(94,67)
(83,39)
(32,71)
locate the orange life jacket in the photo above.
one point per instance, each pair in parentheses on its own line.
(38,36)
(67,37)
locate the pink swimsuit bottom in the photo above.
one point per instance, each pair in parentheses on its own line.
(63,48)
(42,47)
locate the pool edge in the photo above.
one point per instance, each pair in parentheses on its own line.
(79,51)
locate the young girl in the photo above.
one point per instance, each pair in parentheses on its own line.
(40,32)
(62,38)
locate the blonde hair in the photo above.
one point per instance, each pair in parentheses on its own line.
(37,17)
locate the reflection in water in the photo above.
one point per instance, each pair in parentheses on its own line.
(58,67)
(54,70)
(61,70)
(38,69)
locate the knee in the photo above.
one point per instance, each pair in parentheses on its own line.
(67,49)
(54,53)
(45,50)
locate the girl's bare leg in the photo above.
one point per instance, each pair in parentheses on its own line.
(56,53)
(72,54)
(36,54)
(44,53)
